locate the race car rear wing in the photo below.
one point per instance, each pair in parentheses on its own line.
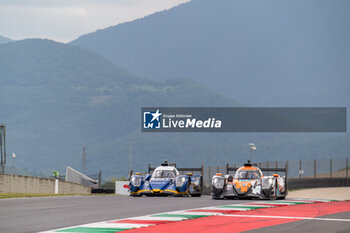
(151,169)
(201,169)
(264,169)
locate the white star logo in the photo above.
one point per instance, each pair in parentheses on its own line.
(156,115)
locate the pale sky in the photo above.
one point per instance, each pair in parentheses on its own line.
(65,20)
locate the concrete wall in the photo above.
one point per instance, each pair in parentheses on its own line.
(295,183)
(29,184)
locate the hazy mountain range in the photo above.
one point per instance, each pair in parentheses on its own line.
(261,53)
(4,40)
(56,98)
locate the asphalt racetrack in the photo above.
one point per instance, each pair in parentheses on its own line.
(48,213)
(19,215)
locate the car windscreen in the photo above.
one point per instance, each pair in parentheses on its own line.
(247,174)
(163,174)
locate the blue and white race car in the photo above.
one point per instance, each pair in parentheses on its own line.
(166,180)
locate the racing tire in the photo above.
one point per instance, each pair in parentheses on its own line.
(274,197)
(188,189)
(196,195)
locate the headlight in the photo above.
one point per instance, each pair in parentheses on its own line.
(267,183)
(135,181)
(218,182)
(180,180)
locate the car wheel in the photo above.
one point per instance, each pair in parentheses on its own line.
(274,196)
(196,195)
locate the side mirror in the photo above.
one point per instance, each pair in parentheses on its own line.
(275,175)
(148,177)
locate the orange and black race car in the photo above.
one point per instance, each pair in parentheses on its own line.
(249,182)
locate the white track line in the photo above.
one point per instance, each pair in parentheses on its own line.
(115,225)
(194,213)
(226,208)
(276,203)
(287,217)
(149,217)
(319,200)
